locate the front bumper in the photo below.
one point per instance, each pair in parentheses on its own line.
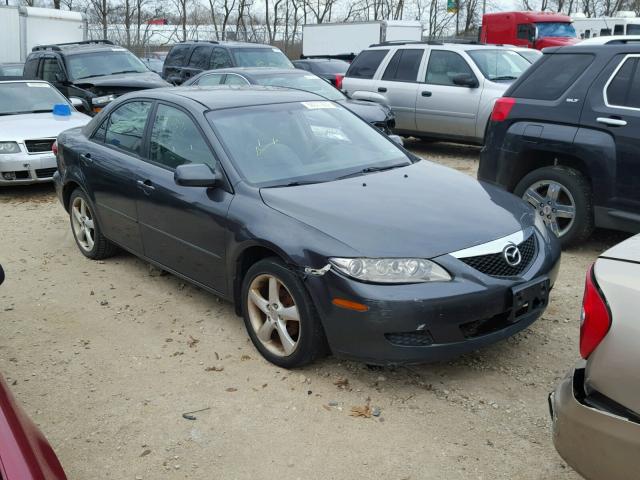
(25,169)
(426,322)
(596,443)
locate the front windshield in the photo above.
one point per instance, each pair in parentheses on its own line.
(281,144)
(260,57)
(97,64)
(499,64)
(633,29)
(28,97)
(301,81)
(555,29)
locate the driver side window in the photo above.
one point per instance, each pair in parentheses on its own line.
(50,69)
(175,140)
(444,66)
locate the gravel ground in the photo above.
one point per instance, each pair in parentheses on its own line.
(107,356)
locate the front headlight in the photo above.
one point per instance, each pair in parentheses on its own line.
(9,147)
(391,270)
(101,101)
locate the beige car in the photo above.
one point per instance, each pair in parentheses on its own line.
(596,408)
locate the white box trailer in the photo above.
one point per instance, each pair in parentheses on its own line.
(346,40)
(22,28)
(624,23)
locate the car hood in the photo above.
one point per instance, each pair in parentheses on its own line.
(370,111)
(38,125)
(423,210)
(124,80)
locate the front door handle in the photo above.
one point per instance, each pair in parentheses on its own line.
(426,94)
(382,89)
(613,122)
(146,186)
(86,157)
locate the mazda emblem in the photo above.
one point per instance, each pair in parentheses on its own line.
(512,255)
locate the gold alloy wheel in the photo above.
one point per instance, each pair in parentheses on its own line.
(273,315)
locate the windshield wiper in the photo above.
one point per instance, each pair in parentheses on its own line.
(125,71)
(296,183)
(371,170)
(504,77)
(93,76)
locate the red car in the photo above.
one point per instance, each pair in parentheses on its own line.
(24,452)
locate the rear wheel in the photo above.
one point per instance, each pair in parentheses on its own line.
(86,230)
(562,197)
(279,315)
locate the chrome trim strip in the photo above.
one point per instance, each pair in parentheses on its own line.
(495,246)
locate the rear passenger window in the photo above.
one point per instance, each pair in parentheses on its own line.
(404,66)
(618,30)
(444,66)
(126,126)
(220,59)
(554,74)
(200,57)
(366,63)
(624,88)
(212,79)
(175,140)
(178,55)
(235,80)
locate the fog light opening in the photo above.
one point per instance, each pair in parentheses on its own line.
(9,175)
(349,305)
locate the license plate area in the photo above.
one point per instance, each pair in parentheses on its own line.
(529,298)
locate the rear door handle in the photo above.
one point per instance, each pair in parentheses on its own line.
(613,122)
(86,157)
(426,94)
(382,89)
(146,186)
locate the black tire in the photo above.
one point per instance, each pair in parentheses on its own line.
(311,342)
(579,188)
(102,247)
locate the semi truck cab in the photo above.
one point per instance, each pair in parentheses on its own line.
(528,29)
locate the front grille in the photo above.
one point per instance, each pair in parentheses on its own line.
(45,172)
(419,338)
(495,265)
(40,145)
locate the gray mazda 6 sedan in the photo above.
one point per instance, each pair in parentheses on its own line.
(324,233)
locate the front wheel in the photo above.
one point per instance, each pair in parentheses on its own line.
(561,196)
(279,316)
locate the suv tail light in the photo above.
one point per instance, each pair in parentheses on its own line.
(502,108)
(339,81)
(595,320)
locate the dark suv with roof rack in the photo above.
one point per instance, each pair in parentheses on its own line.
(187,59)
(566,138)
(90,73)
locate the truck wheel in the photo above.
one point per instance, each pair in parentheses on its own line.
(562,197)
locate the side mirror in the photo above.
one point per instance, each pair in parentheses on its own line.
(465,80)
(78,104)
(397,139)
(196,175)
(60,78)
(369,97)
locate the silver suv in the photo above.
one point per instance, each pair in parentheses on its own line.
(436,90)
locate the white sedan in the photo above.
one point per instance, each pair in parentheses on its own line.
(32,114)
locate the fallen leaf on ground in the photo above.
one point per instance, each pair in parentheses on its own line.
(361,411)
(326,407)
(245,357)
(341,382)
(192,342)
(214,369)
(231,389)
(145,453)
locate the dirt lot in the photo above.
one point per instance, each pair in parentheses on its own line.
(107,356)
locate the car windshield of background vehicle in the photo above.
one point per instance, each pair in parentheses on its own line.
(497,65)
(28,97)
(260,57)
(333,66)
(293,143)
(307,82)
(633,29)
(555,29)
(98,64)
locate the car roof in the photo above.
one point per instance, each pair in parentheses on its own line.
(445,46)
(225,44)
(258,71)
(611,39)
(319,60)
(218,97)
(633,47)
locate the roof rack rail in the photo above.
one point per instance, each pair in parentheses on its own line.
(396,42)
(201,41)
(56,47)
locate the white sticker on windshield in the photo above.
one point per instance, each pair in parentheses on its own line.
(38,85)
(318,104)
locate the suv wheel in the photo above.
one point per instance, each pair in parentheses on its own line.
(86,230)
(279,315)
(562,197)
